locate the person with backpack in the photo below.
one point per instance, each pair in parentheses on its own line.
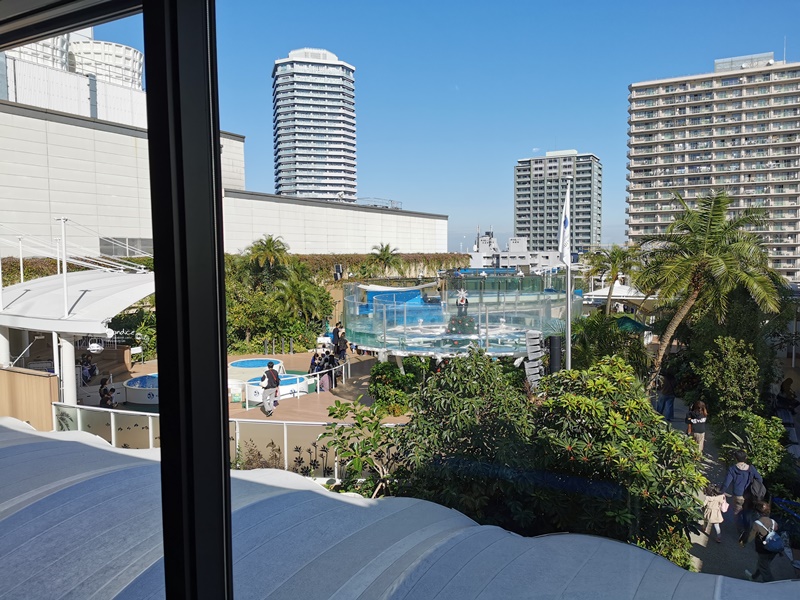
(740,479)
(270,389)
(768,543)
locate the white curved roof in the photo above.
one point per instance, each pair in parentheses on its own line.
(93,297)
(78,520)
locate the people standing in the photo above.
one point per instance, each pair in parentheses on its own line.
(696,423)
(270,389)
(713,507)
(759,531)
(666,397)
(337,330)
(738,479)
(341,345)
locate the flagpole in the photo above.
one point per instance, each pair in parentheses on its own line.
(565,250)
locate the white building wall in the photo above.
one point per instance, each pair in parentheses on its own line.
(42,86)
(97,175)
(232,161)
(95,178)
(318,227)
(119,104)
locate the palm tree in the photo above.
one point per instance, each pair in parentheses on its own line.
(299,297)
(599,335)
(269,251)
(612,262)
(387,257)
(703,256)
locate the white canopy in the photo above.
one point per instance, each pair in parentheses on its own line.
(621,292)
(367,287)
(93,298)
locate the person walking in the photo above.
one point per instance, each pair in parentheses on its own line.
(270,389)
(761,528)
(341,345)
(666,397)
(713,507)
(738,479)
(696,423)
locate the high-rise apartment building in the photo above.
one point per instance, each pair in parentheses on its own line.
(540,187)
(735,129)
(314,124)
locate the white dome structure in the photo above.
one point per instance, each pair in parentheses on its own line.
(51,52)
(108,61)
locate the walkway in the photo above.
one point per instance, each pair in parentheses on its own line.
(726,558)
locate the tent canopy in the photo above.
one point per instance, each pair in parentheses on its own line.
(93,298)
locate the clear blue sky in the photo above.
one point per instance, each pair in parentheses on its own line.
(450,94)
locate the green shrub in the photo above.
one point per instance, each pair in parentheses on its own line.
(728,378)
(590,456)
(758,436)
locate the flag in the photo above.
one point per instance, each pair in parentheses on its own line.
(564,249)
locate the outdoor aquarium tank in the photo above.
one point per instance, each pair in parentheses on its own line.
(446,316)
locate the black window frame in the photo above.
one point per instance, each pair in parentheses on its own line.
(186,206)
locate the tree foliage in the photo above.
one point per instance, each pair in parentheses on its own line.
(598,425)
(588,456)
(599,335)
(387,258)
(703,257)
(611,263)
(728,376)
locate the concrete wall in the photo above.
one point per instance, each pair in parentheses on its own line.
(27,395)
(319,227)
(94,173)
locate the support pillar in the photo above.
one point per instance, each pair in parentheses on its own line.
(69,382)
(5,347)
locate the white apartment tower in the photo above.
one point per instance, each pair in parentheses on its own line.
(735,129)
(314,124)
(540,187)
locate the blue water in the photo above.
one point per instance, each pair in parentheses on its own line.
(285,379)
(143,381)
(254,363)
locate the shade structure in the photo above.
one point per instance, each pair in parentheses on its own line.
(93,298)
(72,506)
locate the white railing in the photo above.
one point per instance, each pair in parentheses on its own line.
(343,369)
(295,442)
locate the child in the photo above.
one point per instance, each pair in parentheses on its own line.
(713,509)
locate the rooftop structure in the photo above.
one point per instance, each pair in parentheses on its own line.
(317,544)
(735,129)
(314,124)
(540,186)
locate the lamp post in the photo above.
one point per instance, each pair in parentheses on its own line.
(64,258)
(21,270)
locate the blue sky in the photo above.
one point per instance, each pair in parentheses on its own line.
(450,94)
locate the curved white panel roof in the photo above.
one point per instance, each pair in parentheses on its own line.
(93,297)
(81,521)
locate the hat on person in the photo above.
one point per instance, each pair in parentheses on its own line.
(270,364)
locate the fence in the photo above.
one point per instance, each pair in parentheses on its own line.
(289,445)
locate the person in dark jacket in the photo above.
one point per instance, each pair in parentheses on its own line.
(696,423)
(341,346)
(738,479)
(761,527)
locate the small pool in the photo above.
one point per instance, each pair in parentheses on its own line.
(142,389)
(256,363)
(291,385)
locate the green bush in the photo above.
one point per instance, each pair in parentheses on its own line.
(728,377)
(590,456)
(758,436)
(389,387)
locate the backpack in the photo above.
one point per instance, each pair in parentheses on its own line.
(757,489)
(269,377)
(771,542)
